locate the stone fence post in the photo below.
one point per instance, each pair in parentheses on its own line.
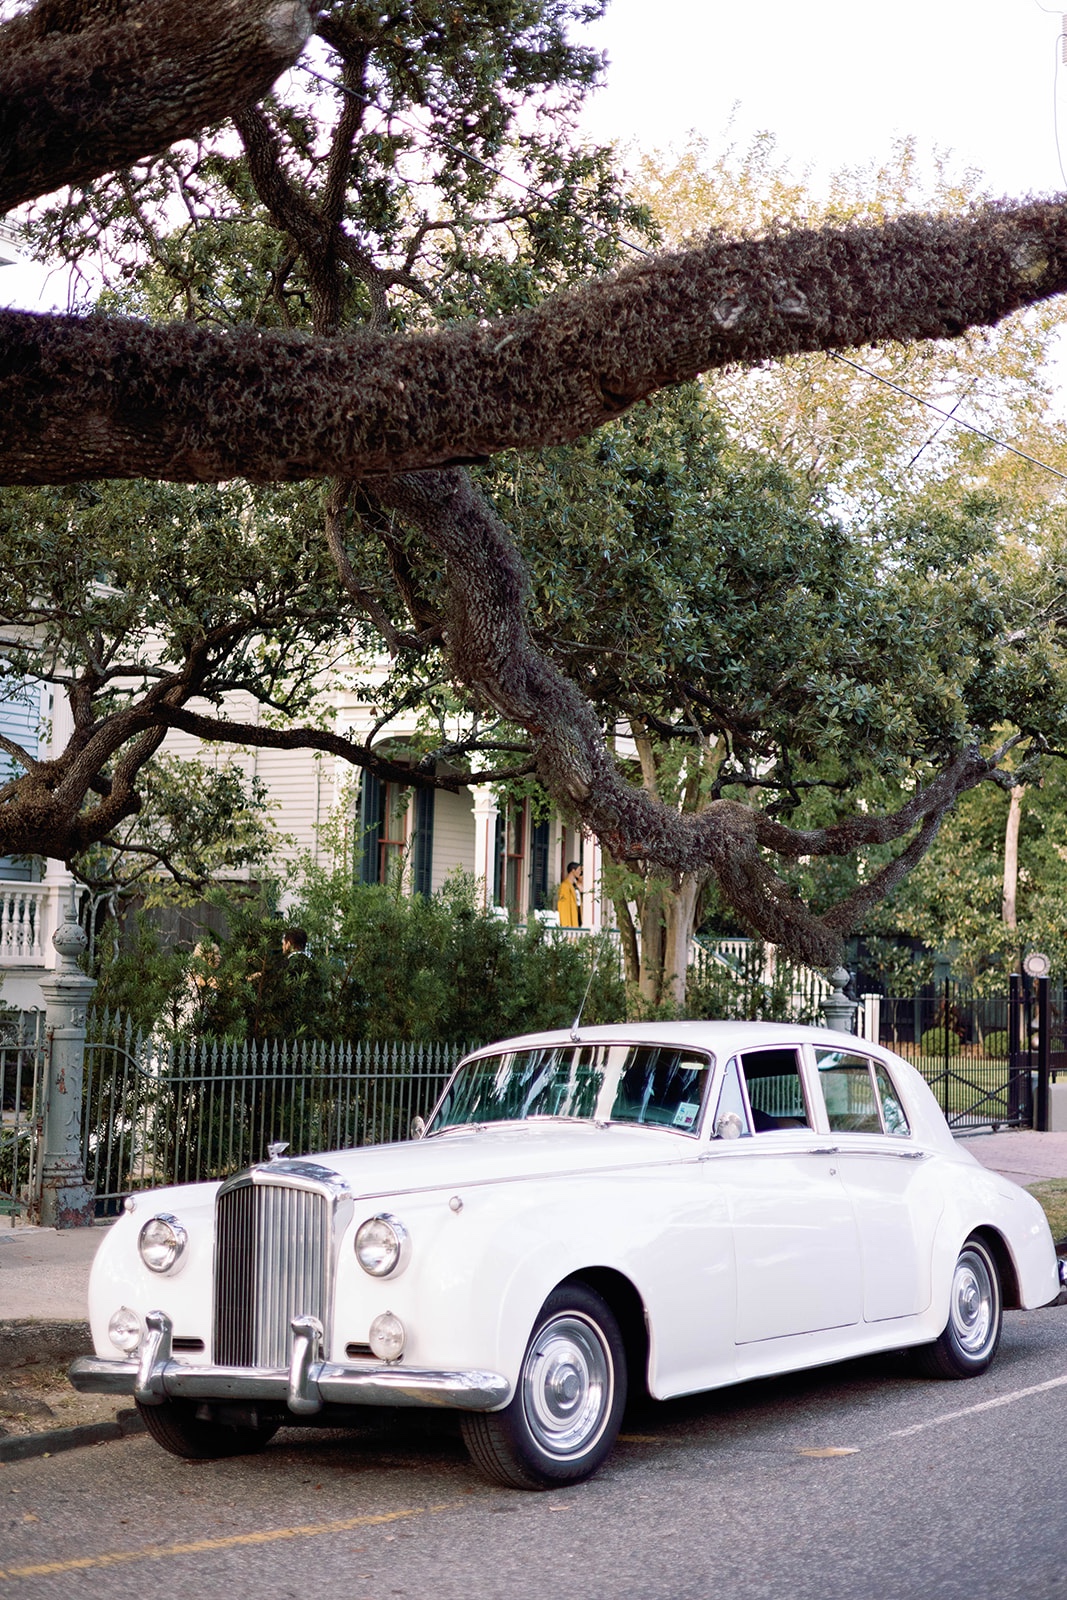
(66,1199)
(837,1009)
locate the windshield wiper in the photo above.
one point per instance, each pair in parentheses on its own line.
(456,1127)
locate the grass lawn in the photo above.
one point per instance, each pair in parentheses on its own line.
(1052,1193)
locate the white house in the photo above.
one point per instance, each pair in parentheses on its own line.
(516,857)
(426,834)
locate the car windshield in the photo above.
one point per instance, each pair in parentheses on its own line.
(647,1084)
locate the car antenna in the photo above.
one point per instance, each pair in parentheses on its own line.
(585,997)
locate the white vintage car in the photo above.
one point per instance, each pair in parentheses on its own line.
(668,1208)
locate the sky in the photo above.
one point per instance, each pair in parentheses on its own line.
(837,80)
(834,80)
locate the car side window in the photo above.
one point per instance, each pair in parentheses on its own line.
(859,1094)
(731,1113)
(894,1116)
(775,1090)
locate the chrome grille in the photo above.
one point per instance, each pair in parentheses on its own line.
(271,1264)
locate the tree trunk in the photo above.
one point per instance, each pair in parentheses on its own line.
(100,396)
(628,941)
(680,926)
(653,915)
(1009,912)
(86,89)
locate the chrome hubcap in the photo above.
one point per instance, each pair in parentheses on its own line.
(567,1385)
(973,1303)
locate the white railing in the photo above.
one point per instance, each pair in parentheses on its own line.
(755,966)
(735,951)
(22,919)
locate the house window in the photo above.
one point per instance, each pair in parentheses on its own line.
(392,834)
(394,819)
(510,856)
(422,842)
(20,721)
(539,853)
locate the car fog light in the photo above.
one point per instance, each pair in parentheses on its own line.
(162,1243)
(124,1330)
(382,1246)
(386,1337)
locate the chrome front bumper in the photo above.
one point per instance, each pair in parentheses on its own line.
(306,1387)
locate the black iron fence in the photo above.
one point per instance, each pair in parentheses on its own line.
(22,1059)
(986,1057)
(161,1111)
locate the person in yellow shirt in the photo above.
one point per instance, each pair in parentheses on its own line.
(568,901)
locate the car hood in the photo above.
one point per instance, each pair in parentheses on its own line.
(494,1154)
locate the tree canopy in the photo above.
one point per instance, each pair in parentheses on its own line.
(394,307)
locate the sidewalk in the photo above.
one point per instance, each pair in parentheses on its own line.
(1020,1154)
(44,1272)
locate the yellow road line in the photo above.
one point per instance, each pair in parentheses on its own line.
(828,1450)
(157,1552)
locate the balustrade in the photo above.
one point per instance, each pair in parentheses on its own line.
(22,925)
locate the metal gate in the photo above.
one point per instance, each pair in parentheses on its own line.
(23,1057)
(986,1057)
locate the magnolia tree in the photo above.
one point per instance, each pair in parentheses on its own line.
(361,345)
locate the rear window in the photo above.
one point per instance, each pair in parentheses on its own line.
(775,1090)
(859,1094)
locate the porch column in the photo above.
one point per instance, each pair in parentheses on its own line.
(66,1199)
(485,813)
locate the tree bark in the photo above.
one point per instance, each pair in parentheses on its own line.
(86,88)
(104,397)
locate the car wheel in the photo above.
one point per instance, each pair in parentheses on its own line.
(175,1425)
(975,1314)
(563,1419)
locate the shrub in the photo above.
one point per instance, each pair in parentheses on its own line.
(381,966)
(935,1043)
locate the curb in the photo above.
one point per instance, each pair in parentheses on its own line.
(29,1344)
(25,1446)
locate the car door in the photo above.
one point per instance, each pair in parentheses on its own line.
(888,1178)
(796,1246)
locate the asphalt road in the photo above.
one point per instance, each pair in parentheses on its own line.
(857,1482)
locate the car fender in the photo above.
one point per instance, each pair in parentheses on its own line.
(119,1277)
(485,1259)
(992,1204)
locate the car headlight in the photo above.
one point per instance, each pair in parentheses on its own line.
(162,1243)
(124,1330)
(382,1246)
(387,1337)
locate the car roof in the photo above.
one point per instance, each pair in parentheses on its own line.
(717,1036)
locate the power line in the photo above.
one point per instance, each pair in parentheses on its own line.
(959,422)
(1061,54)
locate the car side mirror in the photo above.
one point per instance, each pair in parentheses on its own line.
(417,1128)
(729,1126)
